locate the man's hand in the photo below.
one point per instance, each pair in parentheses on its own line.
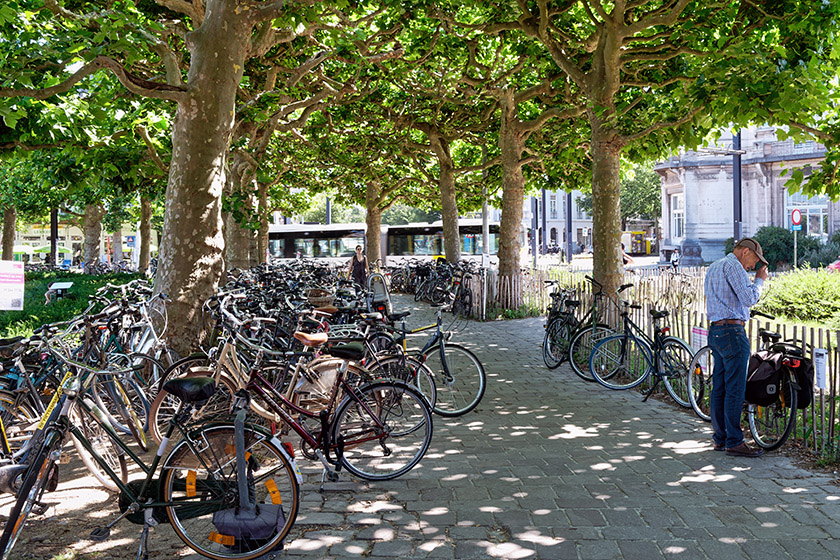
(762,273)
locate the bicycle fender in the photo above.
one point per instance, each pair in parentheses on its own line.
(282,447)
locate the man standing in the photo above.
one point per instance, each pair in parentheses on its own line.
(729,296)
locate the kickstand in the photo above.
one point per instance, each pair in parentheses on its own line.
(327,475)
(650,391)
(143,551)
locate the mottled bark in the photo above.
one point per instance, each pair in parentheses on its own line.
(373,220)
(191,259)
(145,233)
(448,204)
(264,212)
(9,218)
(239,241)
(116,246)
(93,235)
(608,267)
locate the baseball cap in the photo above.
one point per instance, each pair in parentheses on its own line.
(753,245)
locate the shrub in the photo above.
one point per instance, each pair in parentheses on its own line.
(805,295)
(777,245)
(821,256)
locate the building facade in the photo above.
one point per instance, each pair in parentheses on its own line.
(698,203)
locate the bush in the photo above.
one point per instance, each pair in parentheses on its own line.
(804,294)
(35,313)
(777,245)
(822,256)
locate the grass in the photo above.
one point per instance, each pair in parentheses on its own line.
(36,313)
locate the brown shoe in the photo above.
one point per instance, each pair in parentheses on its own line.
(744,450)
(718,447)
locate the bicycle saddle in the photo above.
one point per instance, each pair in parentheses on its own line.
(767,336)
(8,346)
(658,314)
(572,303)
(328,309)
(191,389)
(398,316)
(350,351)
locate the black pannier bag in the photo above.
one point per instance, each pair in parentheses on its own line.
(764,378)
(805,379)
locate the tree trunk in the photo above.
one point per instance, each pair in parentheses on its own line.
(373,220)
(145,233)
(116,246)
(93,235)
(448,204)
(510,226)
(191,260)
(9,218)
(238,239)
(265,213)
(608,268)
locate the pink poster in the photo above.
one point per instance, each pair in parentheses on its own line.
(11,285)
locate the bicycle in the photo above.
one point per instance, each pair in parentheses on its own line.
(770,424)
(588,330)
(229,491)
(626,360)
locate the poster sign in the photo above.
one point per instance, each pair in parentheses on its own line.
(11,285)
(820,362)
(699,336)
(130,240)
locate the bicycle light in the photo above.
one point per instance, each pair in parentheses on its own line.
(791,362)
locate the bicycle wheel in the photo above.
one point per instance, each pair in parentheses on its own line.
(580,348)
(674,360)
(771,425)
(125,405)
(391,443)
(407,369)
(32,489)
(620,362)
(96,432)
(556,343)
(203,492)
(700,383)
(19,419)
(460,381)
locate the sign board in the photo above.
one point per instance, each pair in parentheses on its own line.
(820,361)
(796,227)
(485,260)
(129,240)
(796,217)
(11,285)
(699,336)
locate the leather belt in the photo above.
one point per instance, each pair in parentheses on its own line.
(728,322)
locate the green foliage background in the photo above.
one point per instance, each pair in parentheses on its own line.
(806,294)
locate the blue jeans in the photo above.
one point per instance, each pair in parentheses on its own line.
(731,351)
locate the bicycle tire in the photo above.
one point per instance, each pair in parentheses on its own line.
(580,348)
(675,358)
(556,341)
(407,369)
(19,419)
(770,426)
(200,486)
(125,405)
(369,453)
(97,434)
(700,383)
(620,362)
(32,488)
(460,382)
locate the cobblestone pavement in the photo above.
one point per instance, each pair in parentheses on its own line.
(547,467)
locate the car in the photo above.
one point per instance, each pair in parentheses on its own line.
(835,266)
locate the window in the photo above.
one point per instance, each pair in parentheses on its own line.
(552,207)
(814,214)
(677,216)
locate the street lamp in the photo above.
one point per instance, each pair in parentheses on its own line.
(736,152)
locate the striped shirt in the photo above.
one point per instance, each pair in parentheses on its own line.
(729,292)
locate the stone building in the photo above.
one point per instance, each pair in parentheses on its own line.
(698,202)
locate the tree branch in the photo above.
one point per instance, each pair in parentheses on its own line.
(626,139)
(194,9)
(150,148)
(666,18)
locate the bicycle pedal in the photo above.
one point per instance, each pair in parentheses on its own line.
(100,534)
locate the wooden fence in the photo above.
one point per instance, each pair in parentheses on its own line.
(818,426)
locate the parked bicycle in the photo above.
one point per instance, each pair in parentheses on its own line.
(626,360)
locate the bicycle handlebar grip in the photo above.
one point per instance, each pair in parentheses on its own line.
(624,287)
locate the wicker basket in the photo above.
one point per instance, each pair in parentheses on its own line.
(320,297)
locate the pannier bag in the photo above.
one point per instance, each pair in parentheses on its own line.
(764,378)
(260,523)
